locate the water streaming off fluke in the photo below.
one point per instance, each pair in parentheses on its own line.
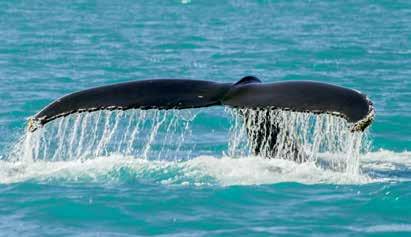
(168,135)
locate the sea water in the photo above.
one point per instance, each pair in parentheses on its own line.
(193,172)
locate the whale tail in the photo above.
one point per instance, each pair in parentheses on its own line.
(249,92)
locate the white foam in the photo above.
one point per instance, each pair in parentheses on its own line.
(386,160)
(256,170)
(385,228)
(206,170)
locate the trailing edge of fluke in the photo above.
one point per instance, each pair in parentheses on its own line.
(249,92)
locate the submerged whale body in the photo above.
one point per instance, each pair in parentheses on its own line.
(249,92)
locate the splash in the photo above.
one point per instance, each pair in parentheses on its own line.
(167,136)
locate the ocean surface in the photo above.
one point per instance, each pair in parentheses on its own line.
(188,173)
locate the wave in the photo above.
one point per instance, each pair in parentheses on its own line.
(379,166)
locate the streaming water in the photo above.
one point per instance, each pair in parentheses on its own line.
(161,135)
(89,135)
(300,136)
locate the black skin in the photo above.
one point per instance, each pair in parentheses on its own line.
(249,92)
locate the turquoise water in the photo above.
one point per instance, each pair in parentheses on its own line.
(195,186)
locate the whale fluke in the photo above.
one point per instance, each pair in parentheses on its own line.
(249,92)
